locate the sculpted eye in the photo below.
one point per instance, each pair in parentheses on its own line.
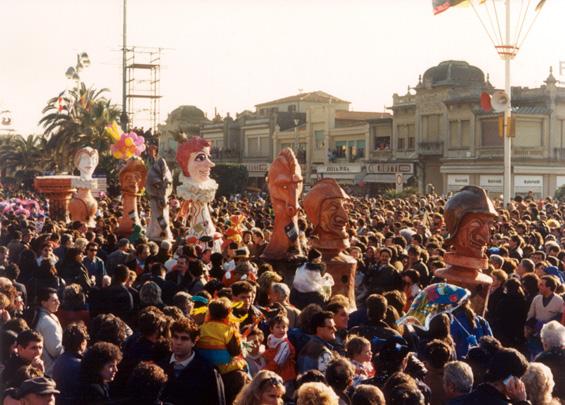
(200,157)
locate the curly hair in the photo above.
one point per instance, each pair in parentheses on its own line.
(95,358)
(108,328)
(316,393)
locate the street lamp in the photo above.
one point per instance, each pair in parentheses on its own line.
(72,73)
(296,122)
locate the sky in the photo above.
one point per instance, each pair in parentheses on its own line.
(229,55)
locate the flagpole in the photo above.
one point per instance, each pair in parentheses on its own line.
(507,113)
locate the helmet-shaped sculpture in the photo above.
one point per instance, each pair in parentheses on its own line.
(324,206)
(468,200)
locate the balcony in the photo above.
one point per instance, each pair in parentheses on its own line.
(559,153)
(528,152)
(381,155)
(340,156)
(430,148)
(490,153)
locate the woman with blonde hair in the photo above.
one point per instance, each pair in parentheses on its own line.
(539,383)
(316,393)
(266,388)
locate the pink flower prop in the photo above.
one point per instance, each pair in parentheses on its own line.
(130,144)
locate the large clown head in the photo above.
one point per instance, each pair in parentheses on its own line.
(86,160)
(193,156)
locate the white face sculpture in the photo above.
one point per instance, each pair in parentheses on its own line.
(87,164)
(199,165)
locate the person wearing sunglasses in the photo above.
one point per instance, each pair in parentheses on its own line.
(94,264)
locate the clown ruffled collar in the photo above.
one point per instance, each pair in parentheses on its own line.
(202,192)
(79,182)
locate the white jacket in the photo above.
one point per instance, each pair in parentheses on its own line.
(309,280)
(50,328)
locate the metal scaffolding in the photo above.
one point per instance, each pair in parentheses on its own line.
(143,79)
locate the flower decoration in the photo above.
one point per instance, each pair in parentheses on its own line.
(114,131)
(130,144)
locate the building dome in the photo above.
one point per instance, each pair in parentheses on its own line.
(454,73)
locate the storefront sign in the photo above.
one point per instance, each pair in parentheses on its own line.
(491,182)
(534,182)
(378,168)
(459,180)
(339,169)
(257,167)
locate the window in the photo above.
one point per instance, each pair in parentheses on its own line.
(465,133)
(253,146)
(340,149)
(528,133)
(292,108)
(489,133)
(411,143)
(359,147)
(401,143)
(382,143)
(319,139)
(454,134)
(430,127)
(257,146)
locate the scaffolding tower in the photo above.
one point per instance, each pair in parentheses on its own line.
(143,79)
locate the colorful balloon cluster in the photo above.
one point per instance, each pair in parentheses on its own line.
(125,145)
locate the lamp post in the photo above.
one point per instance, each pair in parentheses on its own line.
(296,122)
(72,73)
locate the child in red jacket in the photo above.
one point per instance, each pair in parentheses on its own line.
(280,355)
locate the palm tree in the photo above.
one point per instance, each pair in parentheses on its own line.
(80,120)
(23,154)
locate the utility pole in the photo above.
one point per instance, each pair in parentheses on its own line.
(124,116)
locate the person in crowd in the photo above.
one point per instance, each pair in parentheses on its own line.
(49,327)
(28,352)
(117,298)
(189,374)
(73,270)
(119,256)
(359,352)
(467,328)
(279,293)
(34,391)
(553,341)
(457,381)
(94,265)
(280,355)
(255,348)
(97,370)
(539,384)
(266,388)
(66,369)
(311,282)
(318,352)
(367,395)
(243,293)
(316,393)
(502,380)
(74,307)
(339,374)
(545,307)
(145,386)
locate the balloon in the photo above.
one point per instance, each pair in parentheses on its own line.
(130,144)
(114,131)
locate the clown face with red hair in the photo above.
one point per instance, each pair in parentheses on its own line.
(193,156)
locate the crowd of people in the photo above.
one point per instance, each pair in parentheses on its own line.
(89,317)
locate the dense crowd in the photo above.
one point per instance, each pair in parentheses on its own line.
(88,317)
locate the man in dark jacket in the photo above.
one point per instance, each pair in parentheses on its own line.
(502,384)
(318,352)
(190,375)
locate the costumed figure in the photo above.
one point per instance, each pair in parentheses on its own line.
(197,190)
(83,206)
(285,186)
(132,180)
(325,206)
(469,216)
(159,186)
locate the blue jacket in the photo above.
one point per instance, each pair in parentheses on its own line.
(464,335)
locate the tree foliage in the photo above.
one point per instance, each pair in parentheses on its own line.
(79,121)
(560,193)
(231,179)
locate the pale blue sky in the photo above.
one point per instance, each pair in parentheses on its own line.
(234,54)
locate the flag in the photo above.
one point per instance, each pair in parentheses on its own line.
(440,6)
